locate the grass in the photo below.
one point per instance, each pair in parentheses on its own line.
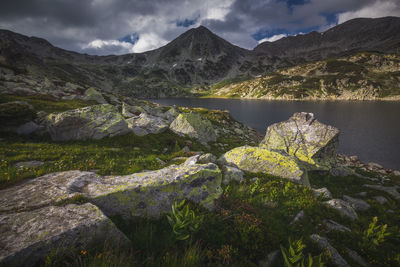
(113,156)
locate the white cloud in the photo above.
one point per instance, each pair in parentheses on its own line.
(107,47)
(273,38)
(148,41)
(379,8)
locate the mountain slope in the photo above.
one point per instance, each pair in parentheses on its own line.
(196,58)
(363,76)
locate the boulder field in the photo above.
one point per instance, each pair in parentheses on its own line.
(68,209)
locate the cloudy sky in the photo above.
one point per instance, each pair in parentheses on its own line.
(124,26)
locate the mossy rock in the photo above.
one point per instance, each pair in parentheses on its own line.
(195,126)
(257,159)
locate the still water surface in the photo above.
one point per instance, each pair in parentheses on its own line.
(369,129)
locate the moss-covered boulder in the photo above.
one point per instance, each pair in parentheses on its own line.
(92,94)
(140,194)
(93,122)
(28,237)
(152,193)
(195,126)
(305,138)
(257,159)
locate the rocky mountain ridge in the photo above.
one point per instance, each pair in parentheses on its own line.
(363,76)
(196,58)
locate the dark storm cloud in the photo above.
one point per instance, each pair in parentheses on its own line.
(99,26)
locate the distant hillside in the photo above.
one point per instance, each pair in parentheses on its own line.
(362,76)
(198,57)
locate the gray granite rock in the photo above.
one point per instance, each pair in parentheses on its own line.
(356,203)
(342,207)
(323,243)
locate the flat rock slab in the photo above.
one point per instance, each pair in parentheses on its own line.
(148,124)
(342,207)
(332,225)
(28,164)
(27,237)
(304,137)
(356,203)
(141,194)
(152,193)
(391,190)
(93,122)
(44,191)
(323,243)
(257,159)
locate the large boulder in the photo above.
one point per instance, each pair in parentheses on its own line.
(140,194)
(148,124)
(27,237)
(92,94)
(195,126)
(93,122)
(304,137)
(258,159)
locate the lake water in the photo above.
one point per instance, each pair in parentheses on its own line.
(370,129)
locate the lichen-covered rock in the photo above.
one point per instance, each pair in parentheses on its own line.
(148,123)
(258,159)
(323,243)
(45,190)
(152,193)
(30,236)
(207,158)
(140,194)
(304,137)
(171,114)
(232,174)
(356,203)
(28,164)
(92,94)
(93,122)
(131,111)
(322,191)
(342,207)
(195,126)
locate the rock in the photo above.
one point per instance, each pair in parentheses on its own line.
(150,124)
(298,217)
(140,194)
(381,200)
(354,158)
(93,122)
(92,94)
(231,174)
(356,203)
(304,137)
(332,225)
(185,149)
(238,131)
(46,190)
(341,171)
(30,236)
(207,158)
(152,193)
(391,190)
(273,259)
(342,207)
(257,159)
(374,166)
(27,128)
(396,173)
(362,194)
(28,164)
(357,258)
(195,126)
(322,191)
(171,114)
(323,243)
(137,130)
(131,111)
(160,161)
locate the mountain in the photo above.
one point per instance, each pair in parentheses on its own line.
(361,76)
(196,58)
